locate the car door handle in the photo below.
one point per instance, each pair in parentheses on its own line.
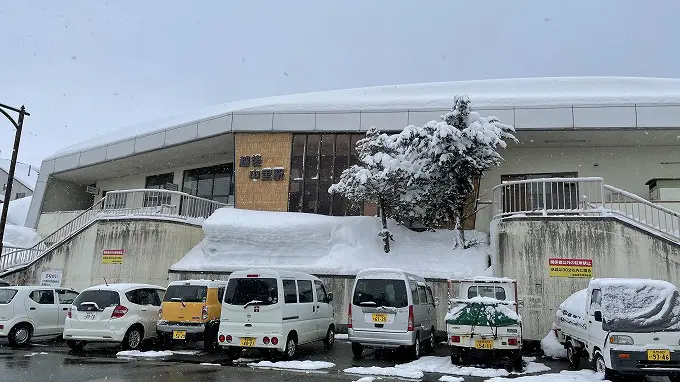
(64,308)
(32,309)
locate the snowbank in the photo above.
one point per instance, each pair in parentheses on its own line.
(551,347)
(293,365)
(238,239)
(18,211)
(143,354)
(20,237)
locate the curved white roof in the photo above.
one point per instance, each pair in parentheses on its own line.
(551,92)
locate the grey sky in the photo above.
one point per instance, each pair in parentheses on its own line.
(86,67)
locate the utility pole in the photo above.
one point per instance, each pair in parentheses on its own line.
(18,125)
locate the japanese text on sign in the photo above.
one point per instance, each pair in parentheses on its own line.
(50,278)
(112,256)
(575,268)
(259,173)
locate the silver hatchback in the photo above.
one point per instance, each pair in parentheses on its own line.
(391,308)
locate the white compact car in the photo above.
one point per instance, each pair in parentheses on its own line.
(33,311)
(120,313)
(275,311)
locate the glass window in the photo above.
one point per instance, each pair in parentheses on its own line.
(341,155)
(157,182)
(295,196)
(220,293)
(161,294)
(186,293)
(96,300)
(260,291)
(596,298)
(321,295)
(380,292)
(148,297)
(297,157)
(422,295)
(414,294)
(325,200)
(213,182)
(43,297)
(326,157)
(487,291)
(430,299)
(6,295)
(133,296)
(66,296)
(305,293)
(312,157)
(309,196)
(289,292)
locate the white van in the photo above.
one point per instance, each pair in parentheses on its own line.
(275,310)
(391,308)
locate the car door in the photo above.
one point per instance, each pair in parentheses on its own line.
(431,308)
(42,308)
(595,333)
(324,310)
(422,313)
(149,304)
(306,310)
(65,298)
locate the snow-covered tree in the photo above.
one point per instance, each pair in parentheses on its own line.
(449,155)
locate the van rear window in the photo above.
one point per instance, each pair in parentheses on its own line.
(103,299)
(487,291)
(186,293)
(252,291)
(380,292)
(6,295)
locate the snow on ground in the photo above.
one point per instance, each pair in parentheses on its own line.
(238,239)
(443,365)
(367,379)
(209,364)
(564,376)
(18,211)
(551,347)
(143,354)
(34,354)
(342,337)
(294,365)
(448,378)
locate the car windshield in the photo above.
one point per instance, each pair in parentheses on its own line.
(486,291)
(103,299)
(260,291)
(6,295)
(380,292)
(186,293)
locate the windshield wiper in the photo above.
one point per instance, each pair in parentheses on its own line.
(251,303)
(179,299)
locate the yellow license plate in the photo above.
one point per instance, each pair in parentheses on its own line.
(179,334)
(484,344)
(379,317)
(658,355)
(248,342)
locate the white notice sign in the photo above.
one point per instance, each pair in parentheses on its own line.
(50,278)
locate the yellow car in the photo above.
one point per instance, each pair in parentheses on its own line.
(191,312)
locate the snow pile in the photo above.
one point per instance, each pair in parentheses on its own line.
(564,376)
(20,236)
(448,378)
(238,239)
(293,365)
(18,211)
(367,379)
(551,347)
(342,337)
(443,365)
(143,354)
(34,354)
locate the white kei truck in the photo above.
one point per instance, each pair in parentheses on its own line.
(626,327)
(484,321)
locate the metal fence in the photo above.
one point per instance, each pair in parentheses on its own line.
(582,196)
(163,204)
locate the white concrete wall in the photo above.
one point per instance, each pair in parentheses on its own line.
(52,221)
(524,246)
(627,168)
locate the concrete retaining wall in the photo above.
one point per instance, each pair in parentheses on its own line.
(617,249)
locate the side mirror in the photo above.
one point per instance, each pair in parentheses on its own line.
(520,303)
(330,296)
(436,301)
(598,316)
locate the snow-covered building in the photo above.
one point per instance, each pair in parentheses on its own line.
(25,177)
(602,148)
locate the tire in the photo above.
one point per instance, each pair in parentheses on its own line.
(455,356)
(291,348)
(330,339)
(357,350)
(163,341)
(20,335)
(133,340)
(517,361)
(234,353)
(431,342)
(265,353)
(210,341)
(601,367)
(414,349)
(75,345)
(573,356)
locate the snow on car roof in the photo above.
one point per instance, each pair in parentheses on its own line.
(120,287)
(201,282)
(388,272)
(485,279)
(631,283)
(260,272)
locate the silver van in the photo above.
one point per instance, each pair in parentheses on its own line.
(391,308)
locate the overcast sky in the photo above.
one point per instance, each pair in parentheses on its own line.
(84,67)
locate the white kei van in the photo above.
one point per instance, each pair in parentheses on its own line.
(275,310)
(391,308)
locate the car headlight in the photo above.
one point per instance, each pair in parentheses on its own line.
(621,340)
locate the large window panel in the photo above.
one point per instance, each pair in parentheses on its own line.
(326,157)
(341,155)
(312,157)
(295,196)
(297,157)
(309,196)
(325,199)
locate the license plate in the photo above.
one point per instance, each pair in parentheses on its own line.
(658,355)
(379,317)
(248,342)
(484,344)
(89,316)
(179,334)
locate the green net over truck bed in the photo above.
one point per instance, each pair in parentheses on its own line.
(478,313)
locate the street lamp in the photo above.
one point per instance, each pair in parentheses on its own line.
(18,124)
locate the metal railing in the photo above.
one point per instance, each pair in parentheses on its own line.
(582,196)
(162,204)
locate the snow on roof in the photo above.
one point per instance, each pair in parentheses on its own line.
(201,282)
(485,279)
(266,272)
(387,272)
(122,287)
(485,94)
(18,211)
(24,173)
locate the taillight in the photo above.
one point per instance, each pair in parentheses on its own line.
(275,341)
(2,327)
(512,341)
(160,313)
(410,318)
(204,312)
(228,338)
(349,317)
(119,311)
(455,339)
(68,315)
(266,340)
(221,338)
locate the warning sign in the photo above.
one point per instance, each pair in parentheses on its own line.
(576,268)
(112,256)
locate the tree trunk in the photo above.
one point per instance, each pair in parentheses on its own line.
(385,233)
(460,226)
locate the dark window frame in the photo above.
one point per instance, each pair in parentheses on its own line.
(40,296)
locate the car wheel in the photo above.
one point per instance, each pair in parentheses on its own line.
(415,348)
(573,356)
(517,361)
(210,342)
(291,348)
(234,353)
(601,367)
(20,335)
(455,356)
(357,350)
(75,345)
(431,342)
(330,339)
(133,339)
